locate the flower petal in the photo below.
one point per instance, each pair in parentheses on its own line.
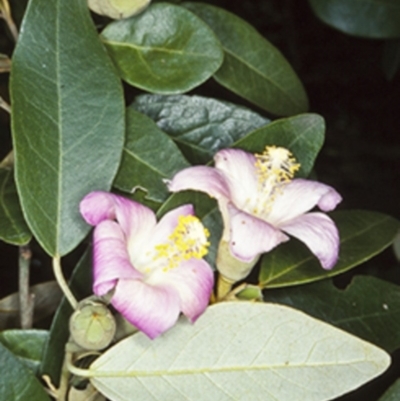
(319,233)
(134,218)
(168,223)
(110,258)
(300,196)
(239,169)
(152,309)
(193,280)
(200,178)
(251,236)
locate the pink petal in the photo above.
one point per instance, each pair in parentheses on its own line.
(193,280)
(239,169)
(135,219)
(151,309)
(319,233)
(200,178)
(110,258)
(251,236)
(168,223)
(300,196)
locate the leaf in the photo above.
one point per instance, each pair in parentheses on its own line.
(13,228)
(303,135)
(149,157)
(368,308)
(200,126)
(26,344)
(363,234)
(53,354)
(253,68)
(46,298)
(68,133)
(239,350)
(166,49)
(17,382)
(393,393)
(365,18)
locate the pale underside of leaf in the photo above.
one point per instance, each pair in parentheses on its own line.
(240,351)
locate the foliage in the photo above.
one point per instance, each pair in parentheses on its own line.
(124,106)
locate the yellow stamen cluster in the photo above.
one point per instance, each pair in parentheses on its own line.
(275,168)
(187,241)
(278,163)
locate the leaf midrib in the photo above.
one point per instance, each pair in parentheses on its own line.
(93,373)
(267,78)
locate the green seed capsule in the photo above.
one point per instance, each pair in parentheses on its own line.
(92,326)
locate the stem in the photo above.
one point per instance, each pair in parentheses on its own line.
(62,283)
(8,161)
(26,300)
(4,105)
(64,379)
(6,15)
(78,371)
(224,286)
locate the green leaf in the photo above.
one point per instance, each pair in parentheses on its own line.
(365,18)
(239,350)
(303,135)
(363,234)
(368,308)
(200,126)
(53,354)
(68,132)
(149,157)
(253,68)
(166,49)
(393,393)
(17,382)
(26,344)
(13,228)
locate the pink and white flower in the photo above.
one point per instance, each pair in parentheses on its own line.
(260,201)
(155,270)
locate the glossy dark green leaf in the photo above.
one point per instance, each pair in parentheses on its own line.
(303,135)
(67,119)
(393,393)
(53,354)
(368,308)
(149,156)
(27,345)
(166,49)
(17,382)
(253,68)
(200,126)
(366,18)
(206,209)
(13,228)
(363,234)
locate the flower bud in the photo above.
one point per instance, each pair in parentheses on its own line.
(92,326)
(118,9)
